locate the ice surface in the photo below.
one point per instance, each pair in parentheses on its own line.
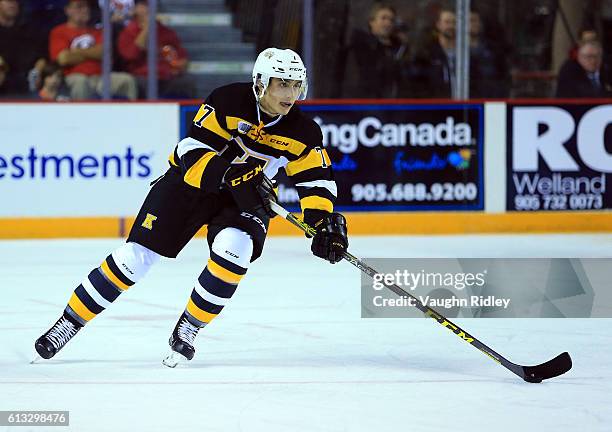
(290,352)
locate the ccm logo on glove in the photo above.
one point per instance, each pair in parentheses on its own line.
(246,176)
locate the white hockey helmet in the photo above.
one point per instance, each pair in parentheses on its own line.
(278,63)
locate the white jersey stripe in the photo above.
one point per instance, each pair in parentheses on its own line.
(330,185)
(187,144)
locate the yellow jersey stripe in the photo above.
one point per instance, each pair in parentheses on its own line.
(208,120)
(312,159)
(222,273)
(317,202)
(111,276)
(283,143)
(194,174)
(77,305)
(198,313)
(232,122)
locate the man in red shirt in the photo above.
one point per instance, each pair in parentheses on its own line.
(172,57)
(78,49)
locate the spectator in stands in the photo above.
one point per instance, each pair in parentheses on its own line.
(435,59)
(377,58)
(590,34)
(52,86)
(489,71)
(22,47)
(172,62)
(78,49)
(585,77)
(585,34)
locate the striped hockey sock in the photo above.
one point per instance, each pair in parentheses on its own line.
(214,288)
(98,290)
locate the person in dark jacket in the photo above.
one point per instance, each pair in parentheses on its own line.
(585,77)
(435,59)
(489,69)
(375,59)
(23,49)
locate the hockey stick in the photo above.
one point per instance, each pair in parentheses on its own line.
(533,374)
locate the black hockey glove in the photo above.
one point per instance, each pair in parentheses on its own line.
(251,189)
(331,239)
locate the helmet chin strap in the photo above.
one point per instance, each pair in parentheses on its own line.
(273,122)
(261,108)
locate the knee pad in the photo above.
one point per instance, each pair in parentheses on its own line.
(233,245)
(134,260)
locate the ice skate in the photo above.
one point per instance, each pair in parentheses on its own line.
(56,337)
(181,342)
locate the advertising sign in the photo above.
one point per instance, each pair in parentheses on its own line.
(559,157)
(69,160)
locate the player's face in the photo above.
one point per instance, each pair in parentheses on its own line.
(280,96)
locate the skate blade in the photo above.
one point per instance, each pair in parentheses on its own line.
(173,359)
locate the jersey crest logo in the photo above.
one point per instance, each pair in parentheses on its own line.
(148,222)
(256,133)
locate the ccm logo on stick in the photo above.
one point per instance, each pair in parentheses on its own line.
(559,127)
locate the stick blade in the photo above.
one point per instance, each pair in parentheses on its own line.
(550,369)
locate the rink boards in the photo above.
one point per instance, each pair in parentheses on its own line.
(404,167)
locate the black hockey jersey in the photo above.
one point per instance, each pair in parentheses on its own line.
(228,128)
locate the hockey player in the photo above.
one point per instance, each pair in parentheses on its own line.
(219,176)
